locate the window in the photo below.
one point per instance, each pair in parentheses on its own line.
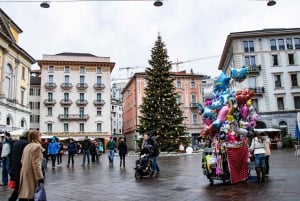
(98,79)
(38,92)
(120,116)
(8,121)
(297,102)
(273,44)
(289,44)
(51,69)
(255,104)
(291,59)
(250,61)
(49,111)
(248,46)
(275,60)
(66,96)
(81,96)
(66,127)
(81,127)
(81,112)
(193,85)
(179,84)
(38,105)
(98,96)
(297,43)
(179,99)
(280,103)
(277,81)
(22,123)
(67,69)
(31,119)
(81,79)
(98,71)
(281,44)
(30,105)
(66,111)
(82,70)
(23,73)
(294,80)
(252,82)
(31,91)
(49,128)
(194,98)
(195,118)
(67,79)
(99,127)
(22,95)
(99,111)
(50,96)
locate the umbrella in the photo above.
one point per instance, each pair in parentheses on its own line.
(297,131)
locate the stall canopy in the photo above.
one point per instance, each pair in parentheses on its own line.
(266,130)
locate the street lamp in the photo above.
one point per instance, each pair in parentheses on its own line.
(271,3)
(158,3)
(45,4)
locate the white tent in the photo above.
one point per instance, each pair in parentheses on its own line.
(17,132)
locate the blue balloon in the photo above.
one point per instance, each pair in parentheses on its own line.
(239,74)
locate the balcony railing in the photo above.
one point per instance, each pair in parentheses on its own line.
(66,86)
(83,102)
(99,102)
(50,85)
(99,86)
(73,117)
(82,86)
(194,105)
(64,102)
(49,102)
(254,69)
(258,90)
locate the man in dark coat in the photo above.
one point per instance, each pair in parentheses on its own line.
(122,152)
(16,155)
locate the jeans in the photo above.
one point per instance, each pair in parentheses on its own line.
(53,159)
(5,168)
(71,157)
(111,155)
(122,158)
(155,167)
(86,154)
(260,161)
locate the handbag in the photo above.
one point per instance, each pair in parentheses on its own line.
(40,193)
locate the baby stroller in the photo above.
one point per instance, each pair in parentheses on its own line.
(144,164)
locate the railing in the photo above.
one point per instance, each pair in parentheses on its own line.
(82,86)
(66,102)
(73,117)
(258,90)
(254,69)
(49,102)
(50,85)
(194,105)
(66,86)
(99,102)
(99,86)
(81,102)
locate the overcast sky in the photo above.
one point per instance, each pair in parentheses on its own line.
(126,31)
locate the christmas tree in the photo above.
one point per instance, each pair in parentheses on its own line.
(161,114)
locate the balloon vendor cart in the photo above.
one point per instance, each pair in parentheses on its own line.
(229,119)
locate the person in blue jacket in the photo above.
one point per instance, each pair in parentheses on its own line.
(53,149)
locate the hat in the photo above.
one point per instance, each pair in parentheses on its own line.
(110,137)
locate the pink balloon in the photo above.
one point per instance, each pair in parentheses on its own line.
(230,137)
(223,113)
(244,111)
(207,121)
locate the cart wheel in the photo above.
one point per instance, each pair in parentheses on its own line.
(137,175)
(211,181)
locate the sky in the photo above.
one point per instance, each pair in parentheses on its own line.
(126,31)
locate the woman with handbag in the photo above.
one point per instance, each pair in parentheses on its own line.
(31,172)
(258,149)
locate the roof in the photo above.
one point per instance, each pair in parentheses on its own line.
(76,54)
(252,34)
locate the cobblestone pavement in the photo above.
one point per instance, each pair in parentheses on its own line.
(180,179)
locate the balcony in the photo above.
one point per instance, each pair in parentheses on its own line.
(258,90)
(66,86)
(254,69)
(99,86)
(82,86)
(50,85)
(82,102)
(64,102)
(73,117)
(49,102)
(194,105)
(99,102)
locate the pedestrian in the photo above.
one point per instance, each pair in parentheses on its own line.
(16,156)
(1,144)
(151,142)
(53,149)
(45,156)
(122,152)
(111,146)
(31,172)
(60,153)
(72,150)
(267,143)
(93,151)
(258,149)
(6,158)
(86,145)
(100,148)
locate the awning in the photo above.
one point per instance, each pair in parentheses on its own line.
(260,130)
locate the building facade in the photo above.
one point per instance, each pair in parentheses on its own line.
(15,65)
(75,95)
(273,57)
(35,99)
(189,90)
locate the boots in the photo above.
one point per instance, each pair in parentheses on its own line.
(263,174)
(258,171)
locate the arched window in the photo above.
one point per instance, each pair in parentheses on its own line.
(283,128)
(8,81)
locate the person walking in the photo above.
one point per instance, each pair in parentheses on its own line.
(86,151)
(267,143)
(258,148)
(6,159)
(100,149)
(16,156)
(53,149)
(31,172)
(111,146)
(122,152)
(60,153)
(72,150)
(93,151)
(151,142)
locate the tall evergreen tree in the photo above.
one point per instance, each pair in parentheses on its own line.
(161,114)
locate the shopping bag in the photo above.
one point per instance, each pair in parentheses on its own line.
(40,193)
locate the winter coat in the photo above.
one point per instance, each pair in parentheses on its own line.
(16,156)
(31,171)
(93,148)
(153,146)
(53,148)
(72,148)
(86,144)
(122,148)
(111,145)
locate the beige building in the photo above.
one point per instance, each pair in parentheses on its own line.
(75,95)
(15,64)
(35,99)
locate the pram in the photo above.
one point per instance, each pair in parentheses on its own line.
(144,164)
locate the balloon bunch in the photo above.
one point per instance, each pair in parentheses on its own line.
(225,112)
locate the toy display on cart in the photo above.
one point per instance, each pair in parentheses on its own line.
(229,120)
